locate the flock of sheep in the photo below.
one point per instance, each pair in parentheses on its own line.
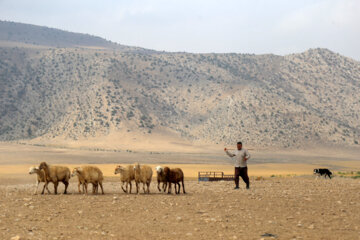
(90,174)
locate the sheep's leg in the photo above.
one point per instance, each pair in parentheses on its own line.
(183,186)
(159,186)
(137,187)
(148,187)
(42,192)
(95,187)
(79,187)
(178,188)
(164,186)
(55,187)
(66,183)
(122,186)
(169,190)
(178,191)
(45,186)
(144,187)
(85,187)
(130,187)
(102,189)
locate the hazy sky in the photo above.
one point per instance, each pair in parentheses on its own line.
(241,26)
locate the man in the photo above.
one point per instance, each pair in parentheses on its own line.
(241,156)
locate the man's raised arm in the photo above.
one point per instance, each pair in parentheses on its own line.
(229,153)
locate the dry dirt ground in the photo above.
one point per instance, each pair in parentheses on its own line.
(284,208)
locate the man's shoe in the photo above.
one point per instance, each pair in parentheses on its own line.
(236,188)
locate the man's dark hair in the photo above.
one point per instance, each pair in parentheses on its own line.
(239,143)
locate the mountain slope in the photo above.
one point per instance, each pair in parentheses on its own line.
(44,36)
(265,100)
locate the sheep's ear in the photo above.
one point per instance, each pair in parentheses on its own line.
(79,169)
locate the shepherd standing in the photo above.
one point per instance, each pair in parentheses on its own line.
(241,156)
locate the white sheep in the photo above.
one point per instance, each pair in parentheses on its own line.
(127,175)
(39,178)
(143,174)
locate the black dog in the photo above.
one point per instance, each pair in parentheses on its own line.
(323,171)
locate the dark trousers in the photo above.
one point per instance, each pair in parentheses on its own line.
(243,173)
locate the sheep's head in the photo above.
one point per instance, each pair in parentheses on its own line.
(43,165)
(159,169)
(33,170)
(137,167)
(166,170)
(118,169)
(76,171)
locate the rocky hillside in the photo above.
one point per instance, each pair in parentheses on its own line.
(44,36)
(265,100)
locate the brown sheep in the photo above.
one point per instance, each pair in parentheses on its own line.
(161,178)
(127,175)
(39,178)
(55,174)
(143,174)
(175,176)
(82,181)
(90,174)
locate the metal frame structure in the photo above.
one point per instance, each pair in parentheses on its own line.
(214,176)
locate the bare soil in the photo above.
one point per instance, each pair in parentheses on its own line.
(284,208)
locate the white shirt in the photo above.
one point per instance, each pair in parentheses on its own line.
(239,157)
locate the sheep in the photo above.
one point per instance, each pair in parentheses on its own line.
(161,178)
(143,174)
(40,177)
(127,175)
(89,174)
(82,181)
(55,174)
(175,176)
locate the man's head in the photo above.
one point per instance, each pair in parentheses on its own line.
(239,145)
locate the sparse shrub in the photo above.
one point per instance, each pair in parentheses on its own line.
(130,114)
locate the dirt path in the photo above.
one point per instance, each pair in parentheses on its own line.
(290,208)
